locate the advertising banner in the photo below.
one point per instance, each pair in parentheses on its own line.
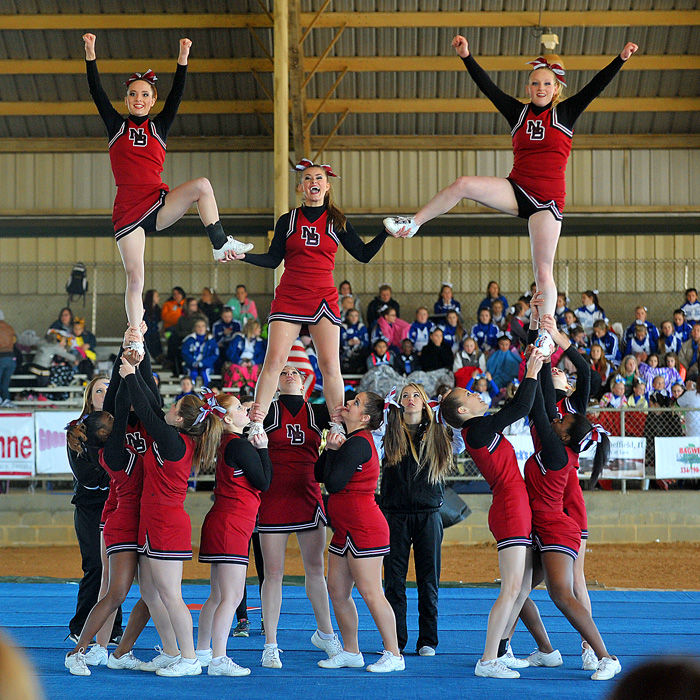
(677,457)
(51,454)
(16,445)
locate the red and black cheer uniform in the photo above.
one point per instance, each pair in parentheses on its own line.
(541,138)
(242,472)
(165,531)
(293,502)
(510,520)
(350,475)
(307,242)
(137,148)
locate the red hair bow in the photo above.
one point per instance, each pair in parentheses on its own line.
(595,434)
(305,163)
(211,405)
(149,76)
(556,68)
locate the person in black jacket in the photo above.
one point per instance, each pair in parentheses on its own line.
(437,354)
(418,455)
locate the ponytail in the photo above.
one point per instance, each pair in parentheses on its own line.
(335,216)
(206,432)
(581,434)
(602,456)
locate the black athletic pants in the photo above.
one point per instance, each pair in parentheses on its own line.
(87,529)
(424,532)
(242,610)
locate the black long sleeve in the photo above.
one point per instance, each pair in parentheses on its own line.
(321,414)
(554,454)
(481,430)
(164,120)
(549,395)
(115,454)
(342,463)
(112,119)
(255,464)
(171,446)
(146,372)
(113,386)
(579,398)
(363,252)
(87,470)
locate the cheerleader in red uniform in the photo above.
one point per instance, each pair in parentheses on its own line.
(242,472)
(350,470)
(144,203)
(557,536)
(307,239)
(293,503)
(542,132)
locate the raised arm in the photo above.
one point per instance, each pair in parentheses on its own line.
(167,115)
(115,454)
(112,119)
(553,452)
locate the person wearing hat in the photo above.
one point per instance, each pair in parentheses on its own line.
(7,360)
(503,364)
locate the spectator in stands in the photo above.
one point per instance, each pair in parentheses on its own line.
(345,290)
(151,315)
(421,328)
(173,308)
(186,387)
(570,321)
(390,328)
(651,368)
(498,314)
(629,371)
(638,397)
(345,303)
(519,314)
(244,309)
(691,308)
(53,346)
(561,309)
(380,355)
(590,310)
(452,331)
(484,385)
(199,353)
(485,332)
(437,354)
(503,364)
(689,356)
(64,322)
(493,291)
(469,355)
(210,305)
(677,390)
(83,343)
(681,327)
(62,368)
(181,330)
(599,365)
(244,375)
(658,388)
(382,299)
(249,339)
(407,360)
(446,302)
(354,343)
(641,343)
(604,337)
(579,339)
(616,396)
(7,360)
(668,340)
(640,316)
(223,331)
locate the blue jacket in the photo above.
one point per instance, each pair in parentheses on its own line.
(485,335)
(348,332)
(199,351)
(419,333)
(442,308)
(503,366)
(652,333)
(611,347)
(258,347)
(222,340)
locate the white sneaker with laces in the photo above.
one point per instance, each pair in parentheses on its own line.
(387,663)
(589,661)
(394,224)
(127,662)
(75,663)
(231,246)
(508,659)
(182,667)
(608,668)
(226,667)
(539,658)
(96,655)
(343,659)
(271,656)
(332,646)
(255,429)
(494,669)
(426,651)
(160,661)
(204,656)
(545,343)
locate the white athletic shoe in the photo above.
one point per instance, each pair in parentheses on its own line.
(394,224)
(160,661)
(508,659)
(545,343)
(589,661)
(96,656)
(343,659)
(204,656)
(182,667)
(232,246)
(494,669)
(255,429)
(271,656)
(127,662)
(539,658)
(426,651)
(75,663)
(607,668)
(226,667)
(387,663)
(331,646)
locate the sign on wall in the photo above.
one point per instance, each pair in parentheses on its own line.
(51,454)
(16,445)
(677,457)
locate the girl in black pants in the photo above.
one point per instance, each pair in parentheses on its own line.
(418,454)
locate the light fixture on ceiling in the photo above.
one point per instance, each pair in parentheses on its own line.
(549,40)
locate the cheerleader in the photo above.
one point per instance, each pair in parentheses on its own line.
(307,239)
(350,470)
(293,504)
(421,328)
(143,203)
(243,470)
(535,189)
(417,457)
(509,515)
(589,312)
(640,316)
(485,331)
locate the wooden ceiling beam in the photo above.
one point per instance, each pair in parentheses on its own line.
(355,106)
(393,20)
(356,64)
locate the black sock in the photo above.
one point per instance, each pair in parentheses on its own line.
(216,234)
(502,647)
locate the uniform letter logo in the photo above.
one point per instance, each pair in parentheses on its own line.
(138,137)
(310,236)
(295,434)
(535,129)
